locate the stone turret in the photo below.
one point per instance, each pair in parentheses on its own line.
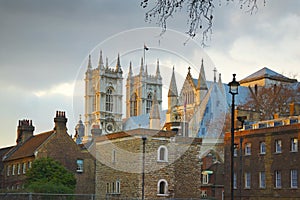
(79,131)
(201,86)
(24,131)
(100,64)
(154,114)
(118,65)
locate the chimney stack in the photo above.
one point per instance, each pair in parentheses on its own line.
(60,121)
(24,131)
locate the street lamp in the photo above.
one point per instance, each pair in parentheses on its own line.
(233,90)
(144,138)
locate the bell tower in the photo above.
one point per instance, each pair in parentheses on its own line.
(103,97)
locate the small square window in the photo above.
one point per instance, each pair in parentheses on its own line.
(79,165)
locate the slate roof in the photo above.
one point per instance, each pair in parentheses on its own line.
(28,148)
(266,73)
(136,132)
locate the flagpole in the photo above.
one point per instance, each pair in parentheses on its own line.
(144,54)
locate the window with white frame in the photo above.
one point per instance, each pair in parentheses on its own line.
(13,170)
(235,152)
(162,154)
(277,179)
(107,188)
(248,149)
(8,170)
(79,165)
(118,187)
(294,145)
(19,168)
(205,178)
(262,179)
(247,180)
(294,178)
(278,146)
(262,146)
(113,190)
(162,187)
(234,181)
(29,164)
(24,168)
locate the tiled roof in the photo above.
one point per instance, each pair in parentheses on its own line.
(266,73)
(28,148)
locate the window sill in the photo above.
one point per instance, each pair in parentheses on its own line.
(162,161)
(162,195)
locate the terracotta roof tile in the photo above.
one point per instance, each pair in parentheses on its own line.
(28,148)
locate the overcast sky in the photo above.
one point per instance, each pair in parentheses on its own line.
(45,45)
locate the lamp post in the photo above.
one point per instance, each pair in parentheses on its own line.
(144,138)
(233,90)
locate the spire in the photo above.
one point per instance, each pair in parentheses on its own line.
(173,86)
(215,74)
(118,66)
(142,66)
(146,71)
(90,62)
(130,70)
(157,70)
(106,65)
(221,84)
(201,79)
(100,64)
(154,113)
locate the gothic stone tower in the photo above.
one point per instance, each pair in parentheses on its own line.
(103,97)
(140,90)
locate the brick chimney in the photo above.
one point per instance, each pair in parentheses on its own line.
(60,121)
(25,130)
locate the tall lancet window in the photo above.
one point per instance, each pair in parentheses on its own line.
(149,103)
(109,100)
(133,105)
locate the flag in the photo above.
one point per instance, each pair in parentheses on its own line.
(145,47)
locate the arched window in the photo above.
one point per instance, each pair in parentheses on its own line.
(162,187)
(133,105)
(148,103)
(162,154)
(109,100)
